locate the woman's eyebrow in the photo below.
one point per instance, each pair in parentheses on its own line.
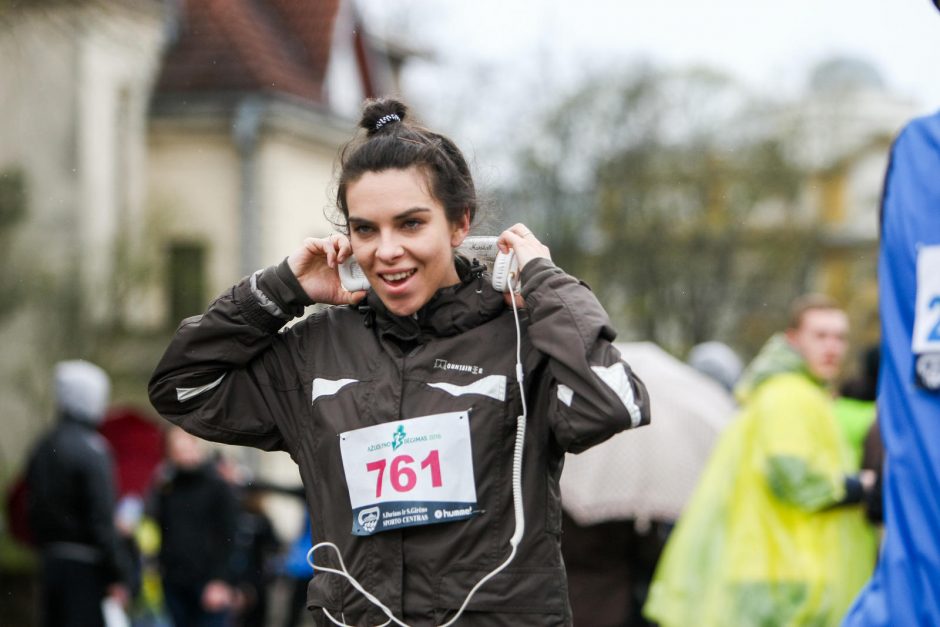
(410,212)
(404,215)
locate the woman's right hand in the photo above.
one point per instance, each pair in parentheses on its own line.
(315,266)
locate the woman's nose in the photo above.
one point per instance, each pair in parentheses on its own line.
(389,249)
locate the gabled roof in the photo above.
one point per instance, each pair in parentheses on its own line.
(251,45)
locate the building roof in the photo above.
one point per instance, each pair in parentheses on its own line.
(251,45)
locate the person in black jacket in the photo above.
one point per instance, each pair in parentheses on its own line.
(196,510)
(70,504)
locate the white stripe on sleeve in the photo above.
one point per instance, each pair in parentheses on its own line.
(615,376)
(184,394)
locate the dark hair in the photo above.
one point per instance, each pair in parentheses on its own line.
(393,142)
(809,302)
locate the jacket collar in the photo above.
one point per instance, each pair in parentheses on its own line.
(452,310)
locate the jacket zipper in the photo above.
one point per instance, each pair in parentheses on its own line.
(401,382)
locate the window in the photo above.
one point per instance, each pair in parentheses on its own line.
(187,280)
(12,197)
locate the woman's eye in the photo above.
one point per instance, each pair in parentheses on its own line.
(411,224)
(362,229)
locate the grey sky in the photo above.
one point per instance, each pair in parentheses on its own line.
(768,44)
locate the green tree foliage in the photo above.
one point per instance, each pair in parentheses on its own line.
(674,196)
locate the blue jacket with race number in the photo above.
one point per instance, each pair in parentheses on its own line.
(905,589)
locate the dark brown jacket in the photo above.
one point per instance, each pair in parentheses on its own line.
(229,376)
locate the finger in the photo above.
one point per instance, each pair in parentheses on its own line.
(508,298)
(352,298)
(521,230)
(516,235)
(508,239)
(343,248)
(312,244)
(333,247)
(315,246)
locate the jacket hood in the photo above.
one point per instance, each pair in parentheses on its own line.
(450,311)
(81,390)
(777,356)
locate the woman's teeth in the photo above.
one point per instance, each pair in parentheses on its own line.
(398,276)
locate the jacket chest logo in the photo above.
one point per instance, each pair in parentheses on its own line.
(443,364)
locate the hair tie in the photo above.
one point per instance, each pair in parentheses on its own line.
(385,119)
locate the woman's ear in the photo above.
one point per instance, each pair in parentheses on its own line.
(460,229)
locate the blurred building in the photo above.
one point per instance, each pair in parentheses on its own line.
(152,152)
(76,80)
(252,103)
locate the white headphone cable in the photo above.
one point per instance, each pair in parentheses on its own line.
(518,510)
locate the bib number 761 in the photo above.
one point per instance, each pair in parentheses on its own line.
(402,476)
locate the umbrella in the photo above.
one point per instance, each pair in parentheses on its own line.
(649,473)
(137,444)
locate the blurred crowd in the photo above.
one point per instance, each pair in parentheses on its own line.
(149,523)
(134,524)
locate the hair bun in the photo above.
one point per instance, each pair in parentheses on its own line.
(380,113)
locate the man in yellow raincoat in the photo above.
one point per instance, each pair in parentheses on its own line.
(773,535)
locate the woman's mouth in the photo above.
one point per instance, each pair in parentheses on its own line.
(397,278)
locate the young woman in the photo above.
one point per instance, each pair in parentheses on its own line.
(401,404)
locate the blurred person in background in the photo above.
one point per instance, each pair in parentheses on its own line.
(610,566)
(718,361)
(856,415)
(253,567)
(874,458)
(773,534)
(905,589)
(71,504)
(297,573)
(855,405)
(196,511)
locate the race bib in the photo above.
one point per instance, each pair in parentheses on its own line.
(409,472)
(926,341)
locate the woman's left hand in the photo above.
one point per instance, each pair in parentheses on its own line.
(523,242)
(526,246)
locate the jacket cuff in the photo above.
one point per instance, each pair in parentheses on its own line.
(286,278)
(854,492)
(278,292)
(271,297)
(535,273)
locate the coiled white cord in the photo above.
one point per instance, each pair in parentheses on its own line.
(517,502)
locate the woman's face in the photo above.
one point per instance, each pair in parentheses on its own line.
(401,238)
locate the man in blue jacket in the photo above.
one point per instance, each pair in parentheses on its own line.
(905,589)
